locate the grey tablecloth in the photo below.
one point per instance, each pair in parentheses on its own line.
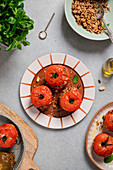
(58,149)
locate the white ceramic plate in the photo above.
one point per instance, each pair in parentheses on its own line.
(89,91)
(92,132)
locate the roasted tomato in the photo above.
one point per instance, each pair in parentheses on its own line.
(103,144)
(71,100)
(8,135)
(57,76)
(41,96)
(108,120)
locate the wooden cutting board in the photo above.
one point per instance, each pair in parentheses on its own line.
(31,141)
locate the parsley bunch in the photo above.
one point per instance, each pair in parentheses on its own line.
(14,24)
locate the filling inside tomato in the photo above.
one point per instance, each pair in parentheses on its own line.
(59,79)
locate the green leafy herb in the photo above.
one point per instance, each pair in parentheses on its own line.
(11,20)
(25,43)
(104,25)
(108,159)
(71,101)
(14,24)
(55,75)
(18,45)
(54,115)
(78,86)
(41,96)
(4,125)
(75,79)
(104,144)
(4,138)
(11,46)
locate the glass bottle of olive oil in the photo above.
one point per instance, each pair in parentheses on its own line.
(108,67)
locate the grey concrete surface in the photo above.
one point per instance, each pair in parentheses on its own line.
(58,149)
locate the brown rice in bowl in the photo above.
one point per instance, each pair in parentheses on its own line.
(85,13)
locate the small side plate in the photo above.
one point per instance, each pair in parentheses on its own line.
(92,132)
(18,149)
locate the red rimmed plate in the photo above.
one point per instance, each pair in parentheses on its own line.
(94,130)
(88,98)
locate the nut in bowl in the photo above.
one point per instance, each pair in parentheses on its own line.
(59,73)
(82,17)
(12,146)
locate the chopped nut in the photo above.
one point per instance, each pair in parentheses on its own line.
(38,79)
(96,127)
(100,127)
(83,20)
(97,122)
(85,13)
(54,106)
(56,91)
(102,88)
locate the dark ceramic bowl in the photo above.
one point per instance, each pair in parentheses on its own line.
(18,149)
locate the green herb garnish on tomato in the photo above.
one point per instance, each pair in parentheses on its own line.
(75,79)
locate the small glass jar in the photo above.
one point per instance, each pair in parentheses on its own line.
(107,67)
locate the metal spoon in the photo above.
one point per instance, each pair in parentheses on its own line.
(43,34)
(100,16)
